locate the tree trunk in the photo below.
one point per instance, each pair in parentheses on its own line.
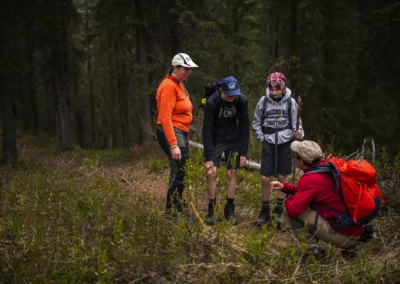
(141,51)
(10,154)
(236,19)
(176,35)
(112,139)
(293,40)
(90,79)
(60,72)
(63,110)
(122,95)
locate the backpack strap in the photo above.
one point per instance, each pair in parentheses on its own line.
(327,167)
(290,111)
(343,219)
(265,103)
(272,130)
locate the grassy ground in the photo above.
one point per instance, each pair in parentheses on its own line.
(65,218)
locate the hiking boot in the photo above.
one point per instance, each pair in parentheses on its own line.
(349,253)
(174,206)
(318,252)
(210,216)
(229,214)
(368,234)
(170,214)
(179,204)
(210,221)
(265,217)
(168,205)
(280,218)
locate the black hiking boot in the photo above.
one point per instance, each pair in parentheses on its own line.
(229,214)
(179,201)
(264,218)
(317,252)
(168,205)
(368,234)
(350,253)
(210,221)
(210,216)
(175,204)
(280,217)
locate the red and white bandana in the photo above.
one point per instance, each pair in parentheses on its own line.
(277,80)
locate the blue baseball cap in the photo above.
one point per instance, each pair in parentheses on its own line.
(230,86)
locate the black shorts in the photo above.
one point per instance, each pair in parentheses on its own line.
(231,152)
(285,159)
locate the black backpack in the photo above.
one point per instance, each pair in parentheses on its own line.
(209,89)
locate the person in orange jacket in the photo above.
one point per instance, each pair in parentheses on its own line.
(173,123)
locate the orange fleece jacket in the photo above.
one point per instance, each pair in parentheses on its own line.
(174,108)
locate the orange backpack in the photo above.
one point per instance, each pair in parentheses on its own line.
(356,182)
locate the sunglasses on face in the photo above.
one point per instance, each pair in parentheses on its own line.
(185,69)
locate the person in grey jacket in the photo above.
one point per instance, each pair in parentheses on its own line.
(274,124)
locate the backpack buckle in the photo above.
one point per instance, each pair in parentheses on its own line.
(348,221)
(336,218)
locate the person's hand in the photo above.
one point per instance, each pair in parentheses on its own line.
(276,185)
(243,161)
(209,165)
(297,134)
(176,153)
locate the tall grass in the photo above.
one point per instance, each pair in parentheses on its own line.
(72,223)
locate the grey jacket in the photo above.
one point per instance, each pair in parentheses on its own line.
(276,116)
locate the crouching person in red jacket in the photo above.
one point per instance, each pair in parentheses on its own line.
(307,203)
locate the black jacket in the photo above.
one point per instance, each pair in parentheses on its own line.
(226,122)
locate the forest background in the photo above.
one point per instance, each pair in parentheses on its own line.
(86,71)
(82,75)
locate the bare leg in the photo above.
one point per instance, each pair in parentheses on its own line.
(281,194)
(212,194)
(279,205)
(265,188)
(211,182)
(229,210)
(232,183)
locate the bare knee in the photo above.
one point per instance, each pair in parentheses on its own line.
(211,174)
(265,180)
(231,173)
(281,178)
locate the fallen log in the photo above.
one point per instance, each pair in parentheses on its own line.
(252,166)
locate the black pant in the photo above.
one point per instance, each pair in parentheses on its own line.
(177,171)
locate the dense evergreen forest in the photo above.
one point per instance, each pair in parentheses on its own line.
(86,71)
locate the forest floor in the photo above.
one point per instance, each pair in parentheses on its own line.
(135,176)
(132,176)
(113,204)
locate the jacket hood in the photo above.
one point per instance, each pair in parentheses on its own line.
(285,97)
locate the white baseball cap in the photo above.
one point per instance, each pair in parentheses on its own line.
(184,60)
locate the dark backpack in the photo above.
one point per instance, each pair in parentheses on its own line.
(355,181)
(209,89)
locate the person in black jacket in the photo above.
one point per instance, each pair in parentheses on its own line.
(226,130)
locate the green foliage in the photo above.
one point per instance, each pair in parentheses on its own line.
(70,223)
(388,169)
